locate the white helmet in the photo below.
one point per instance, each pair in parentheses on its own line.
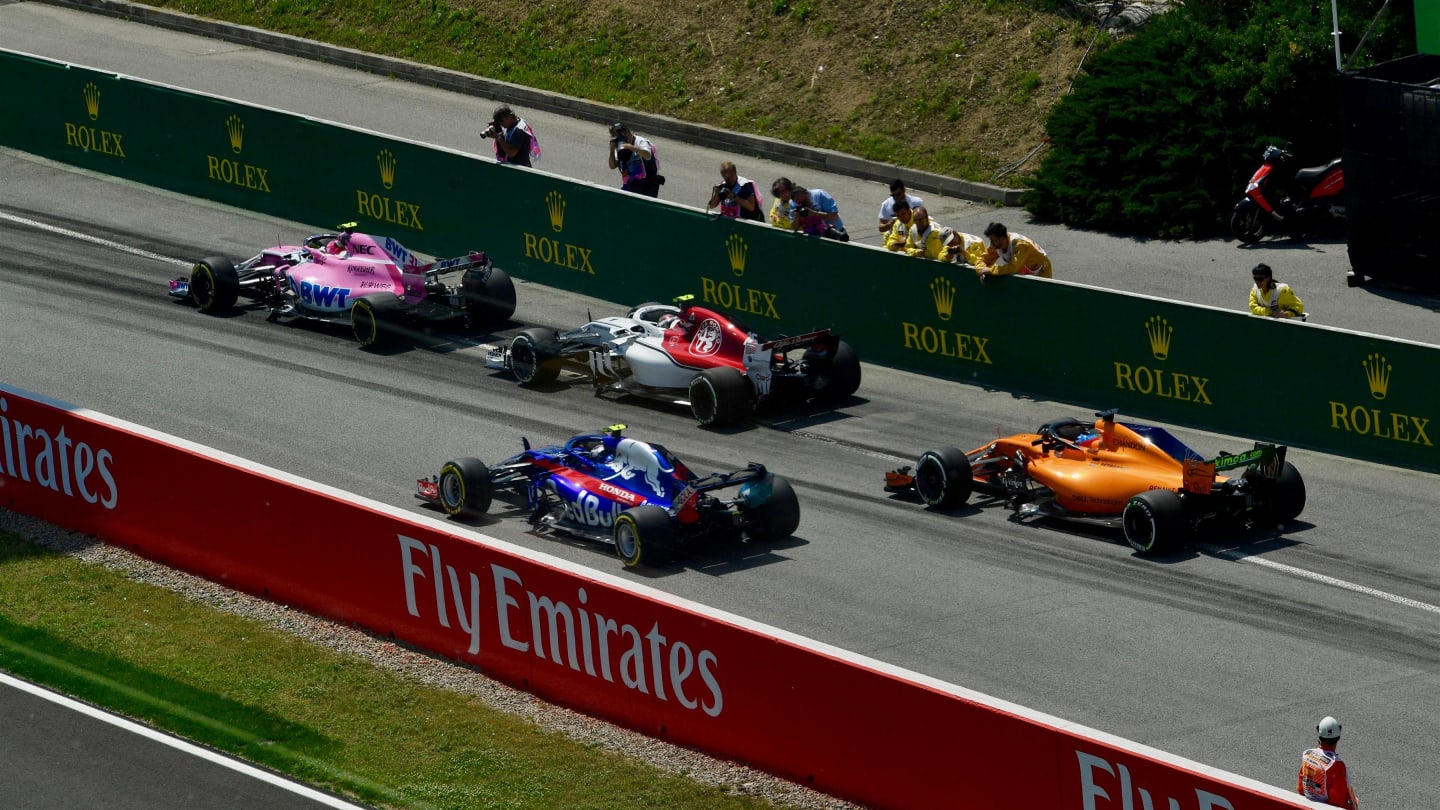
(1329,728)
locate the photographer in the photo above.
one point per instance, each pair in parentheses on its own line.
(815,212)
(735,196)
(635,157)
(515,142)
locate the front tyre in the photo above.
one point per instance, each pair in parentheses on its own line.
(532,357)
(1154,521)
(1248,223)
(641,533)
(465,487)
(214,284)
(375,320)
(943,478)
(778,517)
(719,396)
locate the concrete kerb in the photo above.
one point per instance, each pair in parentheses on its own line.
(582,109)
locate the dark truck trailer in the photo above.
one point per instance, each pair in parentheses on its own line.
(1391,121)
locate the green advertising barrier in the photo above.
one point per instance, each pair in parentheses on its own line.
(1356,395)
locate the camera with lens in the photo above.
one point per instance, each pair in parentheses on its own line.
(723,191)
(802,211)
(494,131)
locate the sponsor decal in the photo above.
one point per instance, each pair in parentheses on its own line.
(561,633)
(233,172)
(553,251)
(51,459)
(1370,421)
(89,138)
(382,207)
(589,509)
(621,493)
(737,250)
(319,295)
(1106,785)
(736,298)
(707,337)
(1154,381)
(940,341)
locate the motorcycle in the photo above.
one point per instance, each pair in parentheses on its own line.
(1277,202)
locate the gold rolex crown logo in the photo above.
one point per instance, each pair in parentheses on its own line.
(386,158)
(944,294)
(555,205)
(1159,331)
(1377,374)
(92,100)
(737,249)
(236,128)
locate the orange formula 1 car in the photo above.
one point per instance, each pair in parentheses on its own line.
(1139,478)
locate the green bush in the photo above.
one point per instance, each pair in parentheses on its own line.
(1163,129)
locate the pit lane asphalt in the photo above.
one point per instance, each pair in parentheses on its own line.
(1213,659)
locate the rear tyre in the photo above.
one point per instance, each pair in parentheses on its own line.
(839,376)
(1248,223)
(943,478)
(642,534)
(532,357)
(214,284)
(719,396)
(489,296)
(1285,499)
(375,320)
(465,487)
(779,516)
(1154,521)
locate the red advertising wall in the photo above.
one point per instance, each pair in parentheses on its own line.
(818,715)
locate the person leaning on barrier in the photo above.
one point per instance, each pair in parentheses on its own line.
(816,213)
(636,160)
(1273,299)
(515,141)
(962,248)
(924,238)
(780,213)
(1011,254)
(735,196)
(1323,777)
(899,233)
(897,194)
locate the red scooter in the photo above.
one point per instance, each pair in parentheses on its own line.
(1277,202)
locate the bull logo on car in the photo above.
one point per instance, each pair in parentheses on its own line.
(707,337)
(633,457)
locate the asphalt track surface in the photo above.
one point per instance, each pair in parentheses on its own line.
(1225,653)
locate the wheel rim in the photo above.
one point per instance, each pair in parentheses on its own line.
(523,363)
(1139,529)
(627,541)
(452,491)
(930,480)
(365,325)
(703,406)
(202,287)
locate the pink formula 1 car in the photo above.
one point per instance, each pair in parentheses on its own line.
(370,283)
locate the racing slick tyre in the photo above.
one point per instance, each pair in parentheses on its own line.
(375,319)
(489,296)
(1248,223)
(719,396)
(839,376)
(1154,521)
(943,478)
(532,358)
(778,517)
(1283,499)
(214,284)
(465,487)
(642,534)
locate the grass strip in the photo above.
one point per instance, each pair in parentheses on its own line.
(325,718)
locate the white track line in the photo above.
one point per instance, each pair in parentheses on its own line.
(174,742)
(134,251)
(1239,556)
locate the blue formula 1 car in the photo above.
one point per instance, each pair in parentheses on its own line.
(608,487)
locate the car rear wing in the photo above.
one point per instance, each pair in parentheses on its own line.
(446,266)
(807,339)
(1265,459)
